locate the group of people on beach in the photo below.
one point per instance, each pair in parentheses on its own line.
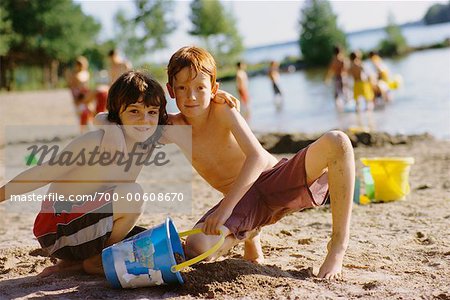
(258,189)
(370,89)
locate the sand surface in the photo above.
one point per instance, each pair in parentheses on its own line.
(398,250)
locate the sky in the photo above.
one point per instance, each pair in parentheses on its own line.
(269,22)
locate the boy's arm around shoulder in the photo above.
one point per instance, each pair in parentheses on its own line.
(255,163)
(45,173)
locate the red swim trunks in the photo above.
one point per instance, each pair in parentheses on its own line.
(277,192)
(243,95)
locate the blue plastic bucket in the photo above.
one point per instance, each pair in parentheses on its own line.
(148,258)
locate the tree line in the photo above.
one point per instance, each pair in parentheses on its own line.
(437,13)
(42,33)
(50,34)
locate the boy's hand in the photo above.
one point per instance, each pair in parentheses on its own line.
(214,221)
(113,140)
(222,97)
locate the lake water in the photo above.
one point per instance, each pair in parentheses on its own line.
(366,40)
(421,105)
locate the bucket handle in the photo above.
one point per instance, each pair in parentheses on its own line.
(181,266)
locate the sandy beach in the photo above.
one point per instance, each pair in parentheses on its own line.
(398,250)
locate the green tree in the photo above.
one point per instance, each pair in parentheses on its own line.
(6,31)
(7,35)
(131,44)
(51,29)
(98,55)
(148,30)
(395,42)
(217,27)
(319,32)
(45,33)
(437,13)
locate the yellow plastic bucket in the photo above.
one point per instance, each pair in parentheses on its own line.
(390,176)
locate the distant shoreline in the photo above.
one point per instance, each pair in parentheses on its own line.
(299,64)
(358,32)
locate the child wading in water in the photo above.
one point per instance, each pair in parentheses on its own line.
(362,87)
(338,69)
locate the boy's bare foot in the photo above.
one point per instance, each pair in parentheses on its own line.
(332,266)
(60,267)
(252,249)
(93,265)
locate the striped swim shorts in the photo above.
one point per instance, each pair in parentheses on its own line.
(75,230)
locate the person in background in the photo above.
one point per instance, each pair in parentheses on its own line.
(117,65)
(242,88)
(382,70)
(382,83)
(338,69)
(362,87)
(274,76)
(78,81)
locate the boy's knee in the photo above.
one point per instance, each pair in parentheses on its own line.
(337,141)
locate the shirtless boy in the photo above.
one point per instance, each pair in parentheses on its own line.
(274,76)
(362,87)
(258,190)
(338,70)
